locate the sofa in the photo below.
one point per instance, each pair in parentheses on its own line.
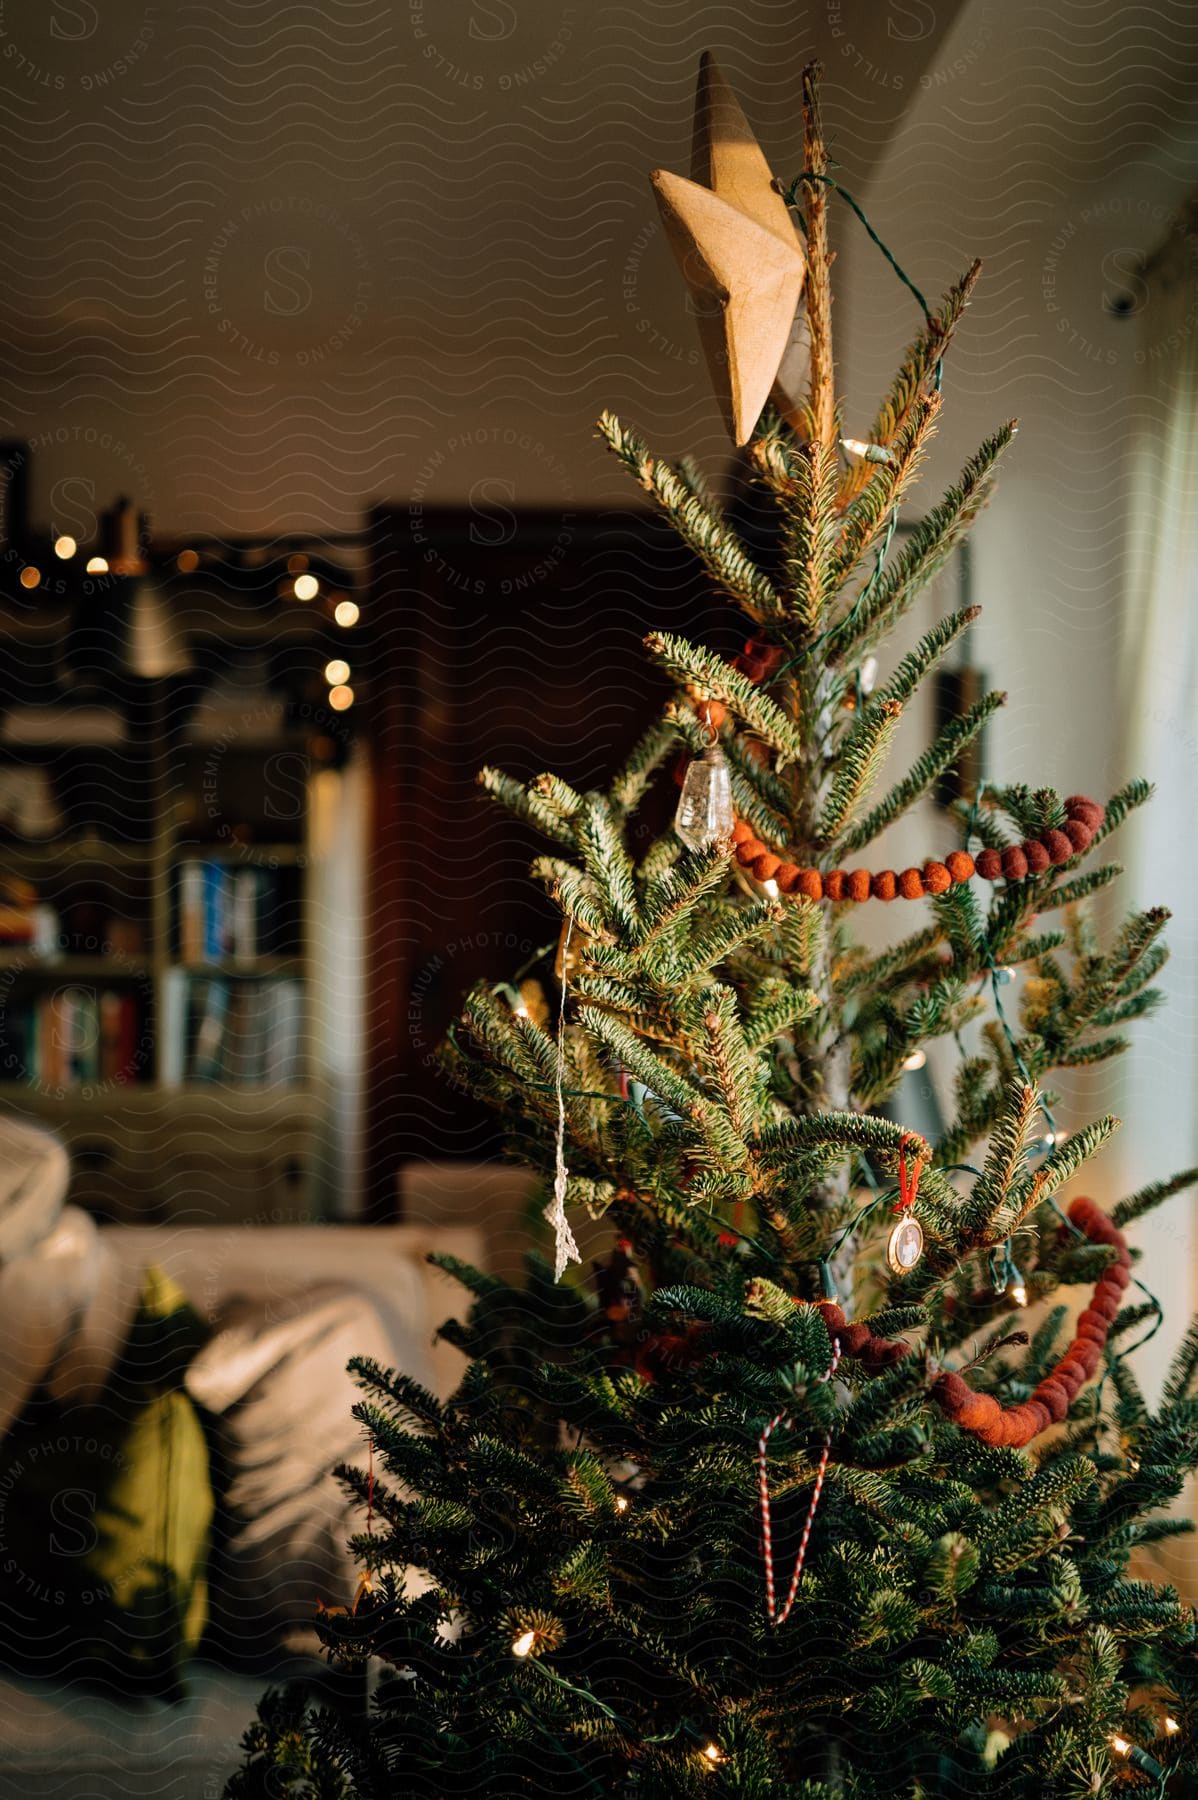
(63,1739)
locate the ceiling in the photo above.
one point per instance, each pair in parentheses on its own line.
(267,262)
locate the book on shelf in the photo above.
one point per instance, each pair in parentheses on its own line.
(224,1028)
(225,913)
(29,927)
(74,1037)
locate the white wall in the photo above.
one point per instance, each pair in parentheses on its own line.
(1055,143)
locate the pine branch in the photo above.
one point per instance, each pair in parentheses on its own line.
(859,762)
(1120,806)
(925,553)
(926,654)
(883,490)
(1127,1211)
(575,892)
(777,1013)
(903,960)
(718,548)
(1080,887)
(526,803)
(672,901)
(608,863)
(732,1060)
(691,663)
(844,1130)
(809,530)
(711,941)
(818,294)
(956,736)
(631,780)
(1005,1164)
(918,368)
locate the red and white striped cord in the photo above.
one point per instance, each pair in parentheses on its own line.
(767,1542)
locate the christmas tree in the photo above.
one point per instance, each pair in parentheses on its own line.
(783,1499)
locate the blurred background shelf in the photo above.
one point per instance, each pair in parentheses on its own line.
(184,802)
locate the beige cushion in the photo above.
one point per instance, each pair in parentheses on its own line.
(282,1397)
(386,1263)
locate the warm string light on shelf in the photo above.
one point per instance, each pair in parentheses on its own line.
(346,613)
(97,565)
(524,1644)
(305,587)
(65,546)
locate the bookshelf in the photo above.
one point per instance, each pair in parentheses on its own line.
(185,1008)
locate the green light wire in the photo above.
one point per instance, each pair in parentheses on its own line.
(790,198)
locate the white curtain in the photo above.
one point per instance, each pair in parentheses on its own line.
(1158,711)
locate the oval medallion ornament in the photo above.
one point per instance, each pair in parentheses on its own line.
(906,1245)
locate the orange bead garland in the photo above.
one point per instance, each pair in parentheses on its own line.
(1082,816)
(758,661)
(982,1414)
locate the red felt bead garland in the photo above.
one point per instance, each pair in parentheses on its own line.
(1015,863)
(759,660)
(982,1414)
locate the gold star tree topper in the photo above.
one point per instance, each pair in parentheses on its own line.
(738,249)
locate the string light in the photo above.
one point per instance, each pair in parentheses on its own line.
(771,888)
(336,673)
(97,565)
(306,587)
(347,613)
(65,546)
(522,1646)
(1005,976)
(1139,1759)
(1171,1725)
(30,576)
(186,561)
(916,1060)
(860,451)
(341,698)
(713,1753)
(622,1506)
(1018,1293)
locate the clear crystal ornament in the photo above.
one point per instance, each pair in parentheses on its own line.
(705,814)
